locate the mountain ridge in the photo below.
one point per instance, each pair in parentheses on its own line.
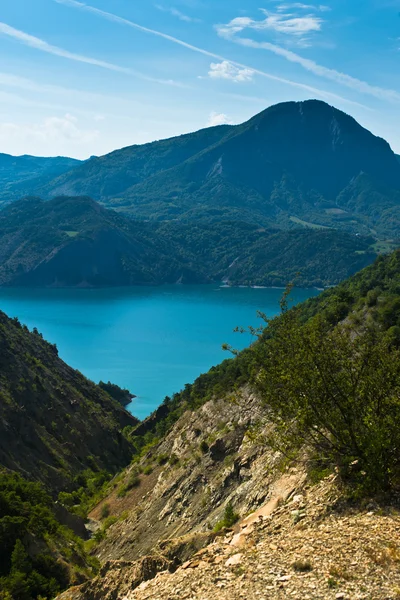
(293,160)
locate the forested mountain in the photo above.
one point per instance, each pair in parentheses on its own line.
(20,175)
(77,242)
(296,162)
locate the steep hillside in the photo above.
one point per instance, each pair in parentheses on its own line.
(76,242)
(60,434)
(243,254)
(292,468)
(54,423)
(294,161)
(111,175)
(20,175)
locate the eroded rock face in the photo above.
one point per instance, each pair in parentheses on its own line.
(214,462)
(211,461)
(117,577)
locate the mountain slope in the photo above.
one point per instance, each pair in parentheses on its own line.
(20,175)
(292,161)
(214,472)
(110,175)
(54,423)
(76,242)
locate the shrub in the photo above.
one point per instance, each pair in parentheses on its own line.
(229,519)
(122,491)
(105,511)
(133,480)
(337,390)
(162,459)
(204,447)
(148,470)
(174,460)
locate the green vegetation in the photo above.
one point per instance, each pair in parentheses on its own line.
(312,225)
(229,519)
(121,395)
(287,160)
(36,248)
(335,390)
(20,175)
(69,430)
(38,556)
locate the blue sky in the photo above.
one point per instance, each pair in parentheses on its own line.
(84,78)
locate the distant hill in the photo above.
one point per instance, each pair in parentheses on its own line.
(295,163)
(77,242)
(20,175)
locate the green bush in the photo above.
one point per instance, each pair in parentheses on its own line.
(26,520)
(204,447)
(229,519)
(337,389)
(105,511)
(133,480)
(162,459)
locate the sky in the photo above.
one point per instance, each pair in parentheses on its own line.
(84,78)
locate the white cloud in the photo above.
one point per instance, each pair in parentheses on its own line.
(39,44)
(283,23)
(231,30)
(300,6)
(314,91)
(227,70)
(218,119)
(52,129)
(177,13)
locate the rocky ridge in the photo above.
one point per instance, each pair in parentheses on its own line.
(304,543)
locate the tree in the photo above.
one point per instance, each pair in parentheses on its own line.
(336,390)
(20,561)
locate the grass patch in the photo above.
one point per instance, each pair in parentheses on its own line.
(384,247)
(307,224)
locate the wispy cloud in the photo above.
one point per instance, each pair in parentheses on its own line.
(237,26)
(43,46)
(52,129)
(228,71)
(177,13)
(287,23)
(216,118)
(329,96)
(301,6)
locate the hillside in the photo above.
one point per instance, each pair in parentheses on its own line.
(54,423)
(293,468)
(20,175)
(60,434)
(76,242)
(305,162)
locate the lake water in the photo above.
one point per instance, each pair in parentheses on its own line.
(151,340)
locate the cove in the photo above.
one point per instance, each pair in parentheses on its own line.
(151,340)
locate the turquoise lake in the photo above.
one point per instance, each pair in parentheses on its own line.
(151,340)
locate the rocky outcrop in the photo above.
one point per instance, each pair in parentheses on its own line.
(310,545)
(210,460)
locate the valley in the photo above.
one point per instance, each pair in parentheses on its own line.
(210,464)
